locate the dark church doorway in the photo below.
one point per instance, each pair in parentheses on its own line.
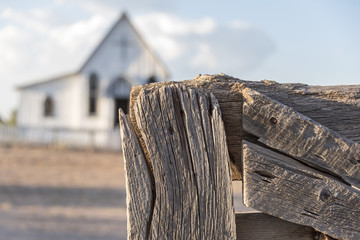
(122,103)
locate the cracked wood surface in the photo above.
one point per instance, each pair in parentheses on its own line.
(185,139)
(281,128)
(336,107)
(284,188)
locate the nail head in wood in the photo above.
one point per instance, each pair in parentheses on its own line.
(273,120)
(325,195)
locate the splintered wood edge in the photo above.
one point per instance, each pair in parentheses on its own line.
(227,91)
(139,196)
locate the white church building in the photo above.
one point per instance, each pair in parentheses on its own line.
(88,100)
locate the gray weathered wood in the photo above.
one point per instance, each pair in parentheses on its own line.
(138,183)
(260,226)
(185,139)
(336,107)
(284,188)
(282,128)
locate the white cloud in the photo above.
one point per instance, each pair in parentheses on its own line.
(27,37)
(10,40)
(33,20)
(163,30)
(170,24)
(33,46)
(203,45)
(169,47)
(79,33)
(240,25)
(204,58)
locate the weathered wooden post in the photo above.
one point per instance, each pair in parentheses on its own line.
(185,140)
(299,160)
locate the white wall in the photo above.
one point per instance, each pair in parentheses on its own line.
(65,99)
(71,105)
(99,121)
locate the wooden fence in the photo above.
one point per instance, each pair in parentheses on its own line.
(295,147)
(64,138)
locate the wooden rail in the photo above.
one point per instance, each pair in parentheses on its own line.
(336,107)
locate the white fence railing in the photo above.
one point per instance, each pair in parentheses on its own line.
(86,139)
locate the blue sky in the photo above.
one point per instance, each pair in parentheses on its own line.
(307,41)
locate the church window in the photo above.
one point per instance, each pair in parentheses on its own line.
(152,79)
(48,107)
(93,93)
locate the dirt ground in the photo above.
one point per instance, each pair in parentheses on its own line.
(64,194)
(61,194)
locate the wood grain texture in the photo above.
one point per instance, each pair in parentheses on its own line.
(282,128)
(184,135)
(336,107)
(284,188)
(138,182)
(260,226)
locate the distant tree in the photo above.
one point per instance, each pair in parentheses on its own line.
(12,121)
(1,121)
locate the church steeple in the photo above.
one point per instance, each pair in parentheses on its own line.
(125,38)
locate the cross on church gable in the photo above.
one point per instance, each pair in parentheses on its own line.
(124,44)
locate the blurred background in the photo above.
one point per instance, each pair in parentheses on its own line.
(67,66)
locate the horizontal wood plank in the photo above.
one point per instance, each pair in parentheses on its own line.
(336,107)
(284,188)
(282,128)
